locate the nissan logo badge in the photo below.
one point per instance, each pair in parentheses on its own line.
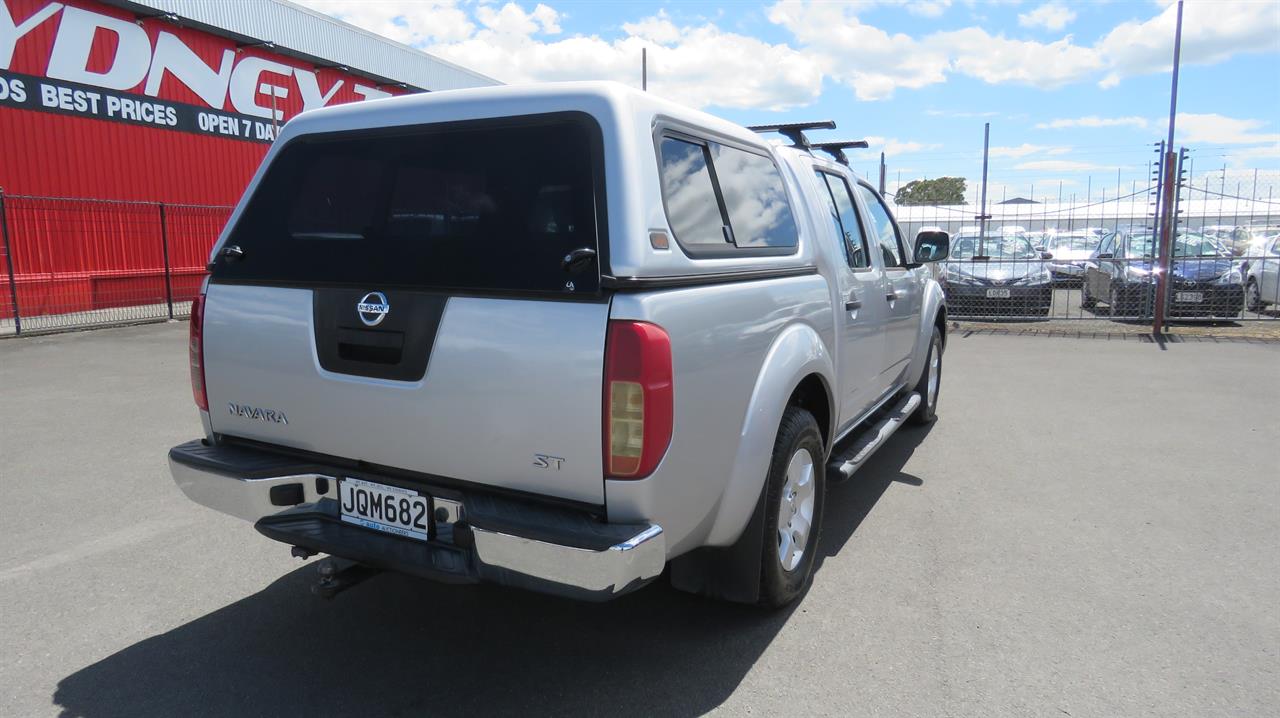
(373,308)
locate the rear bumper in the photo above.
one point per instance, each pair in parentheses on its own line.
(473,536)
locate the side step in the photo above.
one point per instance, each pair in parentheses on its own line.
(862,446)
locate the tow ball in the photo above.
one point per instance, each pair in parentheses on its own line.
(335,574)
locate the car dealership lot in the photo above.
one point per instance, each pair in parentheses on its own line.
(1090,528)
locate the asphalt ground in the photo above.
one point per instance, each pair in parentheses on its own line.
(1091,528)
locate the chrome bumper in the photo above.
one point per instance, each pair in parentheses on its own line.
(496,556)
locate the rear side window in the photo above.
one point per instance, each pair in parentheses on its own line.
(755,198)
(722,200)
(692,207)
(472,206)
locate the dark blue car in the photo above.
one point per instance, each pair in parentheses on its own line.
(1206,281)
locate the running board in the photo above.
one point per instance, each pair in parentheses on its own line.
(855,454)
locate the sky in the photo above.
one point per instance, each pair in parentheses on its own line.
(1076,92)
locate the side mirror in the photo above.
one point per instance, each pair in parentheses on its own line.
(1046,255)
(932,245)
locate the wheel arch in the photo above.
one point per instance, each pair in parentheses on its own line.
(933,313)
(798,369)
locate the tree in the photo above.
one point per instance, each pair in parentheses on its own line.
(943,190)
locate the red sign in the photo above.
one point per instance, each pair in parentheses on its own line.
(103,63)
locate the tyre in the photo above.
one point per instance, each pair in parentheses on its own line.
(793,499)
(1086,301)
(930,382)
(1253,296)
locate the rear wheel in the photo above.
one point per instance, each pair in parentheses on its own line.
(1086,301)
(793,508)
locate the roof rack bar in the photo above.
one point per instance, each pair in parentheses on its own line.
(794,131)
(836,149)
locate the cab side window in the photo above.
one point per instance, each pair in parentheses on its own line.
(883,229)
(845,216)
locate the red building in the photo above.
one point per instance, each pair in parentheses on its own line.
(127,129)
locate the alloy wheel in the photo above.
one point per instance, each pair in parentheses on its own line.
(795,510)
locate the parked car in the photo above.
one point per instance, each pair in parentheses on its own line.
(1206,280)
(1259,236)
(1070,251)
(1262,279)
(558,337)
(999,274)
(1236,239)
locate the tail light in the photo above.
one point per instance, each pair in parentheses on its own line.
(195,349)
(638,396)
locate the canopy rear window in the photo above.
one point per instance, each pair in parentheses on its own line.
(484,205)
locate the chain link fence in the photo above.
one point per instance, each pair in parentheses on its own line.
(75,263)
(1094,257)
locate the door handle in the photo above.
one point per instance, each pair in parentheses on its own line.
(891,296)
(852,304)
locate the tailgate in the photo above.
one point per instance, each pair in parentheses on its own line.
(505,381)
(423,298)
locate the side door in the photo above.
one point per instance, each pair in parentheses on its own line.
(1096,270)
(903,290)
(1269,274)
(862,312)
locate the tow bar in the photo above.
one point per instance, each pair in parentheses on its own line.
(336,574)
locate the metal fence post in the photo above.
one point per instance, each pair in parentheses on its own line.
(168,274)
(8,260)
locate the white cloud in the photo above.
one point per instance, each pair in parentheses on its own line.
(895,146)
(1212,31)
(406,21)
(1050,16)
(1026,149)
(1216,129)
(698,65)
(1057,166)
(864,57)
(875,63)
(928,8)
(1094,121)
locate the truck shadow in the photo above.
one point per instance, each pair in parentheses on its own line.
(849,503)
(400,646)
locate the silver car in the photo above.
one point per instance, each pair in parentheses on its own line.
(559,337)
(1070,252)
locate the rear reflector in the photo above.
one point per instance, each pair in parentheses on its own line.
(638,398)
(195,353)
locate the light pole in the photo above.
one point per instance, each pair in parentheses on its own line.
(1167,216)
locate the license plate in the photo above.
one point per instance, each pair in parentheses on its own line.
(997,294)
(1188,297)
(384,508)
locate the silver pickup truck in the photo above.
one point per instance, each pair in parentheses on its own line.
(561,337)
